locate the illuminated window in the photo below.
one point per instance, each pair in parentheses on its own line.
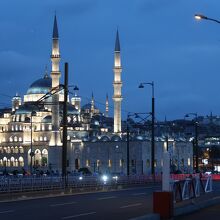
(188,161)
(98,163)
(109,163)
(88,163)
(121,162)
(155,163)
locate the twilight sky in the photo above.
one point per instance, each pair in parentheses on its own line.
(160,42)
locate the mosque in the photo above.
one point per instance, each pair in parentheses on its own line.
(31,130)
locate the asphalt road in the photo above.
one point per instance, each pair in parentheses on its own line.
(123,204)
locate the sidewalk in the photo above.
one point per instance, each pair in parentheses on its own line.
(188,206)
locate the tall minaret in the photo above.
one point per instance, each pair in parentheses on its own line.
(92,105)
(106,106)
(117,84)
(55,75)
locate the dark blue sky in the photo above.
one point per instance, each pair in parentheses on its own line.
(160,41)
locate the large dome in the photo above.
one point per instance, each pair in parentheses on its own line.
(40,86)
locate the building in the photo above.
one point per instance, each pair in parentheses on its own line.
(31,131)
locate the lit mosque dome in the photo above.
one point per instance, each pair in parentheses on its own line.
(40,86)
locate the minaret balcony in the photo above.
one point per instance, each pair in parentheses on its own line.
(55,56)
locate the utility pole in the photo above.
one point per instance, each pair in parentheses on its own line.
(64,149)
(128,156)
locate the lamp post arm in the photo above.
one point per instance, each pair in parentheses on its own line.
(215,20)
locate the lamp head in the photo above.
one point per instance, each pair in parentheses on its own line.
(199,17)
(141,86)
(75,88)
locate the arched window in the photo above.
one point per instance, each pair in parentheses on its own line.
(21,150)
(16,127)
(5,161)
(45,138)
(8,163)
(21,161)
(12,161)
(16,162)
(10,139)
(1,163)
(1,150)
(44,160)
(16,150)
(12,128)
(20,139)
(37,157)
(12,150)
(41,138)
(8,150)
(15,139)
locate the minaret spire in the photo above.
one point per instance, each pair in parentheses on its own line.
(55,75)
(117,84)
(55,28)
(117,42)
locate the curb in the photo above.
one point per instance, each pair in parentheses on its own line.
(196,206)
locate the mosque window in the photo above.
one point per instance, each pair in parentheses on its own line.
(88,163)
(12,161)
(188,161)
(16,162)
(8,163)
(21,161)
(21,150)
(5,161)
(12,150)
(155,163)
(98,163)
(121,162)
(8,150)
(16,149)
(148,163)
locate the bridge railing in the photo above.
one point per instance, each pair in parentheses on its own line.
(190,187)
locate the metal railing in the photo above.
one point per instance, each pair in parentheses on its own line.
(190,187)
(25,184)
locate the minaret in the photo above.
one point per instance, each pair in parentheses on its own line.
(92,105)
(106,106)
(55,75)
(16,102)
(117,84)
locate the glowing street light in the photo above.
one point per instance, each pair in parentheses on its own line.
(200,17)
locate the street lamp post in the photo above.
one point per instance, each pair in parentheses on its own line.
(200,17)
(196,140)
(152,123)
(31,153)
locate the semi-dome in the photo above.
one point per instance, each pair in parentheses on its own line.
(40,86)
